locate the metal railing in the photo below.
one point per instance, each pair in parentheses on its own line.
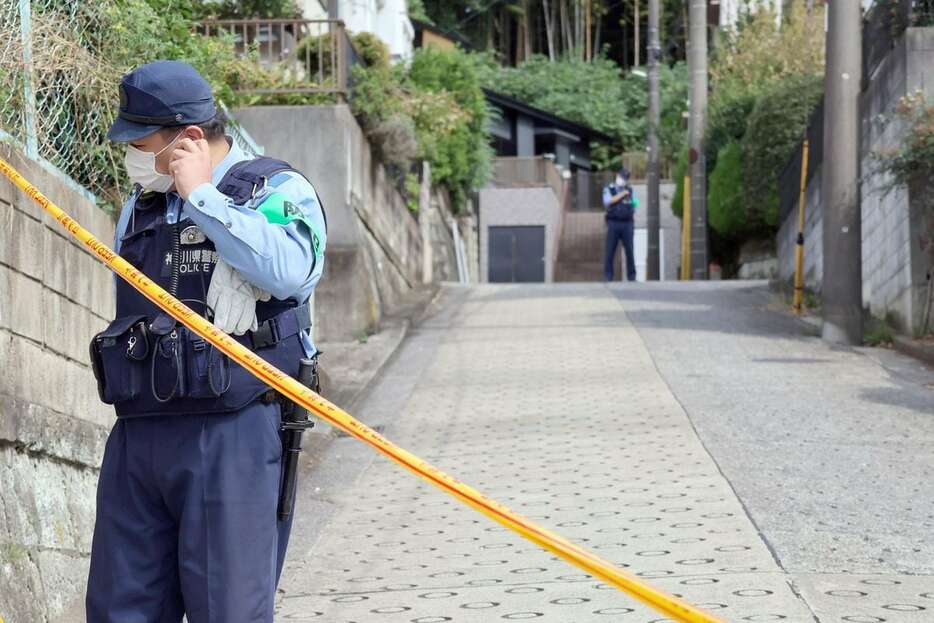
(586,190)
(637,162)
(885,22)
(526,171)
(302,55)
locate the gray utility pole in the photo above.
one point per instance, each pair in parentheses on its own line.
(697,65)
(652,169)
(842,288)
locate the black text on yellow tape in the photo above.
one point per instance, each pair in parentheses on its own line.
(667,604)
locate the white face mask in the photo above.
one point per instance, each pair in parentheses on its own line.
(141,167)
(620,181)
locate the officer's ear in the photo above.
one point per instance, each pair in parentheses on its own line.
(193,132)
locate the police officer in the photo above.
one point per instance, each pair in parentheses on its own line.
(187,497)
(620,203)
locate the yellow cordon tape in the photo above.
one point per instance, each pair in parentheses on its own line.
(301,395)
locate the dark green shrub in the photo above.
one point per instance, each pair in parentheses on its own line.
(776,127)
(730,107)
(316,53)
(373,51)
(725,198)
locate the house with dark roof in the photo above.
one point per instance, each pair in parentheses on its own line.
(524,131)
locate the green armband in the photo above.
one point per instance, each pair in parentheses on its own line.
(279,210)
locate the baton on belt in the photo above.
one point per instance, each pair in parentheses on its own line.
(294,424)
(304,397)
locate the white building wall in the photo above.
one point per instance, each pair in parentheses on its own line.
(394,27)
(387,19)
(313,9)
(730,10)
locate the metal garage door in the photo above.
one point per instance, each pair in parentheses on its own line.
(517,254)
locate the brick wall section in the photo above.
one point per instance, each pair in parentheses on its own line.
(53,297)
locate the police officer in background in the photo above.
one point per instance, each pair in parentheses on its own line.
(620,203)
(187,497)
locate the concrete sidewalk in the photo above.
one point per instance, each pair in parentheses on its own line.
(546,399)
(829,449)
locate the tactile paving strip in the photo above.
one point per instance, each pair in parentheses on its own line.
(869,598)
(547,401)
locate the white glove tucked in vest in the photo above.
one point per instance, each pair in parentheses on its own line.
(233,300)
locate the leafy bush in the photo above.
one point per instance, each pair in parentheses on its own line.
(673,87)
(373,51)
(725,197)
(727,117)
(246,9)
(912,163)
(759,52)
(439,95)
(776,127)
(460,155)
(754,74)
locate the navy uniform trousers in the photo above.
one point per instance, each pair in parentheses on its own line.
(619,232)
(186,520)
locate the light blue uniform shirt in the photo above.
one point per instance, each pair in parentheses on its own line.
(608,194)
(281,259)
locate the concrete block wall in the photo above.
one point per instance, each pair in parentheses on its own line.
(53,297)
(813,244)
(893,265)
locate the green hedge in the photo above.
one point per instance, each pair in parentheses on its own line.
(729,112)
(439,99)
(776,127)
(726,201)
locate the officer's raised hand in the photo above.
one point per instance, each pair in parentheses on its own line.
(191,164)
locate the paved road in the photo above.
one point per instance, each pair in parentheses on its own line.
(684,431)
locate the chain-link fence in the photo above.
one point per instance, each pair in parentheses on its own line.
(58,89)
(47,72)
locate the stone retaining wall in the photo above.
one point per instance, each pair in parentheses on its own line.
(53,297)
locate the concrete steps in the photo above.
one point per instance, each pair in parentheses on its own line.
(580,251)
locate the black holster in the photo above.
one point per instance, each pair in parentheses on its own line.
(294,423)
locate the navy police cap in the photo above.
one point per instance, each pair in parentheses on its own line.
(158,95)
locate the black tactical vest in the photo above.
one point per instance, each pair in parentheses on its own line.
(146,363)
